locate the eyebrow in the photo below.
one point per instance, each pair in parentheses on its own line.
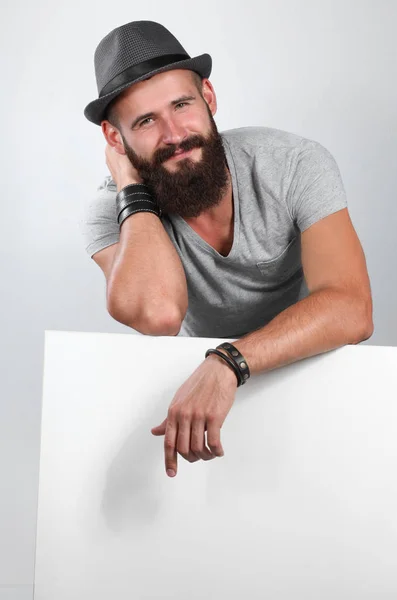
(152,114)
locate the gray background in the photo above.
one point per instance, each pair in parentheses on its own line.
(321,69)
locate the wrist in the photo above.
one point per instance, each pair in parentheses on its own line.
(225,368)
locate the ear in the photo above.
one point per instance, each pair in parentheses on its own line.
(209,95)
(113,136)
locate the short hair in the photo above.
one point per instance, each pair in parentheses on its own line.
(111,109)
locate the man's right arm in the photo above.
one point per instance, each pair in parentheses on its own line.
(146,283)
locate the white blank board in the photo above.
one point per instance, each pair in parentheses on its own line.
(302,506)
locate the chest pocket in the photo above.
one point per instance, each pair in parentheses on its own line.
(285,269)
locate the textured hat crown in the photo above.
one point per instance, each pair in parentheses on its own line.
(132,44)
(132,53)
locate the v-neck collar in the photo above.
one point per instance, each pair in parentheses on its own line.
(195,237)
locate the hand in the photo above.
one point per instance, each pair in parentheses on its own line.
(120,167)
(200,404)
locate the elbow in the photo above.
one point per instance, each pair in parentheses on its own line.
(163,323)
(366,329)
(368,322)
(362,335)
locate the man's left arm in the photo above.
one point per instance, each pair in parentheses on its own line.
(337,311)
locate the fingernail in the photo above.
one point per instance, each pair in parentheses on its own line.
(170,472)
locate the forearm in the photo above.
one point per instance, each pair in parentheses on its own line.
(324,320)
(147,283)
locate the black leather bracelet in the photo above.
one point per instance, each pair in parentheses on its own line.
(229,361)
(135,197)
(131,209)
(236,355)
(126,199)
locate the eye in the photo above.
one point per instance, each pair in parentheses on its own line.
(148,118)
(144,121)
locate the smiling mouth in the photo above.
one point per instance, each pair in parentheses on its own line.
(180,154)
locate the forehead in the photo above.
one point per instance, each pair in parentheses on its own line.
(160,88)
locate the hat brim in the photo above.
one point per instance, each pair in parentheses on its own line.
(95,110)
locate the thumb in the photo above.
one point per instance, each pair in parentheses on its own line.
(160,429)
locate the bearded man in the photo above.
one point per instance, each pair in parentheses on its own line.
(240,234)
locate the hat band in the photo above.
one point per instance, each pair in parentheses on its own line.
(132,73)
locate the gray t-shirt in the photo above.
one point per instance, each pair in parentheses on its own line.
(282,184)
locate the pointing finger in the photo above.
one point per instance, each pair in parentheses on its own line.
(171,455)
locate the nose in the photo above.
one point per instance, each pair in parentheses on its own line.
(172,132)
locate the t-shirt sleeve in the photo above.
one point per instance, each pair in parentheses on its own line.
(316,189)
(99,225)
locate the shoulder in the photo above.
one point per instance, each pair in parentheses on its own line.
(102,201)
(262,137)
(98,223)
(276,148)
(266,151)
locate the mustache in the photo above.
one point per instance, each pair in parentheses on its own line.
(165,153)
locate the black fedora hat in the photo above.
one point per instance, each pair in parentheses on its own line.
(132,53)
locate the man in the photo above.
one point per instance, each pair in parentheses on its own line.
(254,239)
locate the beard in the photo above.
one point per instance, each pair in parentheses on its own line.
(194,186)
